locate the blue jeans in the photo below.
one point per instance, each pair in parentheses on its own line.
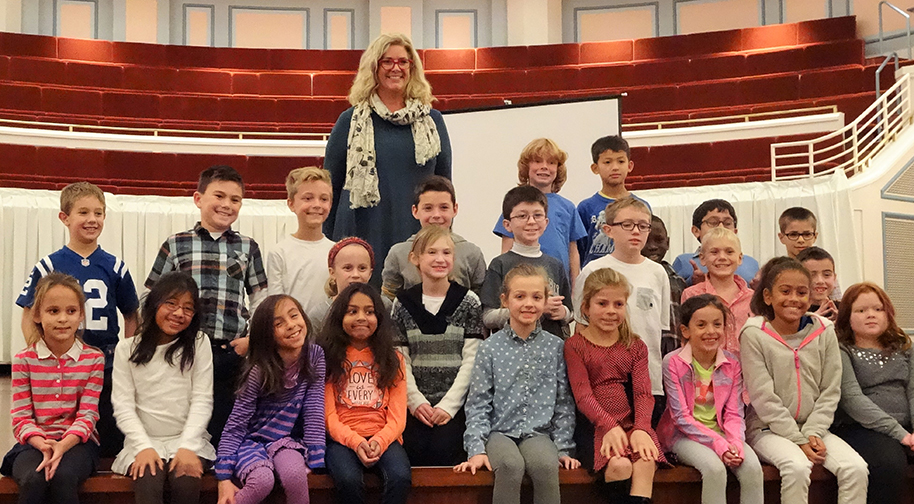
(347,470)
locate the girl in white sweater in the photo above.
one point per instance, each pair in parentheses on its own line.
(163,395)
(792,371)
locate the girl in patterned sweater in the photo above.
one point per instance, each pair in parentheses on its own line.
(607,368)
(276,426)
(56,382)
(440,327)
(365,397)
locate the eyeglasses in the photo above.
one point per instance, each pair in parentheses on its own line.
(173,307)
(537,217)
(728,223)
(389,63)
(794,236)
(628,225)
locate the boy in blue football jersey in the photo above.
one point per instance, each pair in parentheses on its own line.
(106,283)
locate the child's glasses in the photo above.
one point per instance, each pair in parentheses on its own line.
(727,223)
(644,227)
(389,63)
(537,217)
(794,236)
(173,307)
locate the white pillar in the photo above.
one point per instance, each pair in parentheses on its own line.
(532,22)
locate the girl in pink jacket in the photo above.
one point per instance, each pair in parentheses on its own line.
(703,421)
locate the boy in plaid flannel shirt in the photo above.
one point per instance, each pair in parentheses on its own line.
(226,266)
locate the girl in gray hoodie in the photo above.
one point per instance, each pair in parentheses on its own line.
(792,371)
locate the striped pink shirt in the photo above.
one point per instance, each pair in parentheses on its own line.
(52,396)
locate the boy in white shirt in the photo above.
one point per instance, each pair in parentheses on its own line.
(628,224)
(297,266)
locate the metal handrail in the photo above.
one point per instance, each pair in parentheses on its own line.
(856,144)
(907,18)
(881,67)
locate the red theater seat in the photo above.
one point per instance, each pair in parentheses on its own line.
(449,59)
(183,56)
(148,165)
(332,83)
(149,78)
(247,83)
(292,59)
(40,70)
(650,99)
(20,97)
(243,58)
(71,101)
(818,30)
(125,104)
(831,82)
(203,81)
(135,53)
(553,55)
(4,67)
(19,159)
(244,109)
(687,45)
(710,94)
(510,57)
(195,108)
(552,79)
(451,83)
(764,37)
(84,49)
(770,88)
(20,44)
(777,61)
(340,60)
(94,75)
(500,81)
(844,52)
(714,67)
(74,162)
(287,83)
(609,76)
(607,52)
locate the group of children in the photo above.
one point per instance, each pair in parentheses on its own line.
(267,373)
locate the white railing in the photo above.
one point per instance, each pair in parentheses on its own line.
(850,148)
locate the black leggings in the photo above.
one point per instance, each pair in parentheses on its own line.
(441,445)
(887,460)
(76,465)
(150,489)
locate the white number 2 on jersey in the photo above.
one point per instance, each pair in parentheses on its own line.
(100,302)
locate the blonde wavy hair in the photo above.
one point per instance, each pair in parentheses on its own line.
(597,281)
(366,80)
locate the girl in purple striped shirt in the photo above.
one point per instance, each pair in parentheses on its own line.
(277,424)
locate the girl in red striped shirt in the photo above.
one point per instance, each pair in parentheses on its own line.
(56,382)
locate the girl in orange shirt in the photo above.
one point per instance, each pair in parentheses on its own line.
(365,399)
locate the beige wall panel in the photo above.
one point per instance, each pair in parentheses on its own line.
(456,31)
(696,17)
(279,30)
(142,20)
(198,28)
(397,20)
(803,10)
(339,27)
(77,19)
(621,24)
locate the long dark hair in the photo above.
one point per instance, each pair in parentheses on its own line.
(262,351)
(169,286)
(335,341)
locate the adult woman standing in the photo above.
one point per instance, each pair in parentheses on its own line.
(382,146)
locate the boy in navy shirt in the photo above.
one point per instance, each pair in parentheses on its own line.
(106,283)
(612,162)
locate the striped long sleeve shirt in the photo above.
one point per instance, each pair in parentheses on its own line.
(263,420)
(56,396)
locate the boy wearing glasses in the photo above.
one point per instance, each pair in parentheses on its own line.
(707,216)
(525,209)
(628,224)
(798,230)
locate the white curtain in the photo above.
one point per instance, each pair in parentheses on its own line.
(136,226)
